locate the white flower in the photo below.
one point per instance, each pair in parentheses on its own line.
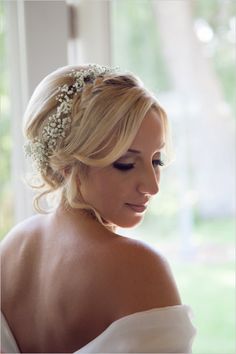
(40,149)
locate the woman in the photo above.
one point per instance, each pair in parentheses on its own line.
(70,283)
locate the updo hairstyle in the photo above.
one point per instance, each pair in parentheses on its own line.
(106,116)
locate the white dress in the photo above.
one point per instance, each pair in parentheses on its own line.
(159,330)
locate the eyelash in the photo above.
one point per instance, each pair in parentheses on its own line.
(129,166)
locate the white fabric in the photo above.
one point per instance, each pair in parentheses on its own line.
(159,330)
(8,343)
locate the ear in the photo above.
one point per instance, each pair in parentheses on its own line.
(81,175)
(66,171)
(78,181)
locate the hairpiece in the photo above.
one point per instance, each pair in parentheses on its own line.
(59,124)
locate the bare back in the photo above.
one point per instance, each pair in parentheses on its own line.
(66,283)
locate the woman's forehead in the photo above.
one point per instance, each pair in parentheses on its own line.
(150,133)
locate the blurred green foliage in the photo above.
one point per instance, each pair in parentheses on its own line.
(6,216)
(209,288)
(136,45)
(206,277)
(221,17)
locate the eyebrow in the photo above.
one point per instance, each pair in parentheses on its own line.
(134,151)
(139,152)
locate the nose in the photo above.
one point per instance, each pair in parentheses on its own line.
(149,182)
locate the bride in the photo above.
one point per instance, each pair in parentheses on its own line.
(70,282)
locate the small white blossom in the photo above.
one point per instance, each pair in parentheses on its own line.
(58,127)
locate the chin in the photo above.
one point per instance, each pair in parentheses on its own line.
(132,222)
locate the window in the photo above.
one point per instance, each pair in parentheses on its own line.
(6,217)
(185,53)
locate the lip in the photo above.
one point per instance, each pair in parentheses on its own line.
(138,208)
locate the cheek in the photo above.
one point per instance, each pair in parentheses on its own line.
(98,192)
(106,190)
(110,192)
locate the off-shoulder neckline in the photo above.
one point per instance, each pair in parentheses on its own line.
(133,316)
(114,323)
(145,312)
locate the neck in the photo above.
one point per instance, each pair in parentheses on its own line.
(81,219)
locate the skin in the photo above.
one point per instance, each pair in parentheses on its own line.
(67,278)
(136,185)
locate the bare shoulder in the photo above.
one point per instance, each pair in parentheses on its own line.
(145,277)
(18,252)
(18,236)
(19,247)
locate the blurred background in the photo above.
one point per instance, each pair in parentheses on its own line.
(184,51)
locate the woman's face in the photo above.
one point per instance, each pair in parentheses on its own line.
(121,192)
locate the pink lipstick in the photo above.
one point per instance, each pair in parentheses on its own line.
(137,208)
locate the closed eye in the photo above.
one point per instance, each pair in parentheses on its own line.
(123,166)
(128,166)
(157,163)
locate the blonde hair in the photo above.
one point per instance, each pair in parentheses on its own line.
(106,116)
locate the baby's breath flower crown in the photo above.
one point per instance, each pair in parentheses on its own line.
(59,123)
